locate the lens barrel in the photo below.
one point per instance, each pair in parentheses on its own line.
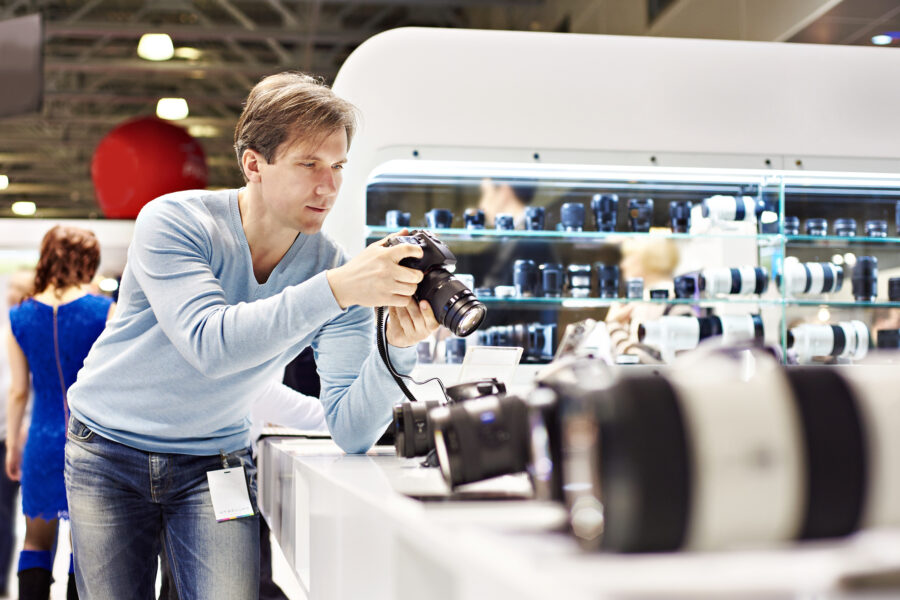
(454,305)
(605,208)
(865,279)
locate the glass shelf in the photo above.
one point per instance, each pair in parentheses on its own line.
(836,240)
(567,302)
(841,303)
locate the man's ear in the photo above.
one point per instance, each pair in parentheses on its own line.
(250,163)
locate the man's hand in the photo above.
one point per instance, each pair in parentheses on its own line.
(374,277)
(408,325)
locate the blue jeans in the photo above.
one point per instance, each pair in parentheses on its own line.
(125,502)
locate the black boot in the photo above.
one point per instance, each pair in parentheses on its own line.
(71,591)
(34,584)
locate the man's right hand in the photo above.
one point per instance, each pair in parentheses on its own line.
(374,277)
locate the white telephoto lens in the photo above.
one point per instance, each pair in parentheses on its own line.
(731,208)
(739,280)
(670,333)
(738,329)
(847,339)
(812,278)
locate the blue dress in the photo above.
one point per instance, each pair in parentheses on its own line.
(70,335)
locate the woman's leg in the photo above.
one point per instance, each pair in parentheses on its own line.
(36,559)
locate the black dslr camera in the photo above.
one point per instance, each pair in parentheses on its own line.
(454,304)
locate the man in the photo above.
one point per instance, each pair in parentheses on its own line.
(221,290)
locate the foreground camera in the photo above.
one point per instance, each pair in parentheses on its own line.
(454,305)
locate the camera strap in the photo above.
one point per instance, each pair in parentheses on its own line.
(381,342)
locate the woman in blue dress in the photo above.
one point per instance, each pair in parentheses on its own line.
(50,336)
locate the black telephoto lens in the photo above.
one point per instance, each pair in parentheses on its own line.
(877,228)
(897,217)
(413,435)
(894,289)
(865,279)
(482,438)
(439,218)
(579,280)
(454,350)
(474,218)
(817,227)
(640,214)
(792,226)
(504,222)
(845,227)
(534,218)
(888,338)
(685,286)
(525,278)
(396,219)
(571,216)
(605,208)
(551,280)
(607,280)
(680,214)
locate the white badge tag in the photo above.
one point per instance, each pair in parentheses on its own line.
(230,498)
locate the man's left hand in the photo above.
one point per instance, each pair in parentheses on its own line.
(408,325)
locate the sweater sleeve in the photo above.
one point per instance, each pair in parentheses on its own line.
(170,259)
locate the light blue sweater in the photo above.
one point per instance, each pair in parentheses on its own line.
(195,339)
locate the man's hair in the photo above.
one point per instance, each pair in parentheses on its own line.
(290,105)
(69,257)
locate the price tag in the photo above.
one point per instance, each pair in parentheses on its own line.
(230,497)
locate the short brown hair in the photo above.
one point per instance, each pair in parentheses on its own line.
(69,257)
(290,104)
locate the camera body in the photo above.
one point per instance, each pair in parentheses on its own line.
(435,253)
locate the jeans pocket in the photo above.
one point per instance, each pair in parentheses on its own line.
(78,431)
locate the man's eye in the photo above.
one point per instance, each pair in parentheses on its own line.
(338,167)
(308,165)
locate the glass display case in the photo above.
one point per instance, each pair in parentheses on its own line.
(544,246)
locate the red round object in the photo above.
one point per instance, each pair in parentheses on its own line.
(143,159)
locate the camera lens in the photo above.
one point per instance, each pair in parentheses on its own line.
(474,218)
(551,280)
(812,278)
(685,286)
(607,280)
(792,226)
(454,350)
(888,338)
(817,227)
(659,294)
(396,219)
(640,214)
(742,280)
(845,227)
(571,215)
(454,305)
(413,434)
(504,222)
(482,438)
(634,288)
(579,279)
(605,208)
(534,218)
(894,289)
(847,339)
(865,279)
(439,218)
(525,278)
(732,208)
(877,228)
(680,214)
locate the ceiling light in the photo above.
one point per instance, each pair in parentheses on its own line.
(108,284)
(882,39)
(24,208)
(188,53)
(203,131)
(172,109)
(4,182)
(155,46)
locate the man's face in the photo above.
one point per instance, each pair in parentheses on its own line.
(301,184)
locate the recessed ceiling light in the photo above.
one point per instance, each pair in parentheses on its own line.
(155,46)
(24,208)
(172,109)
(203,131)
(882,39)
(188,53)
(4,182)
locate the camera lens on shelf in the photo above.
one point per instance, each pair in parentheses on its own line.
(845,227)
(579,280)
(439,218)
(685,286)
(474,218)
(552,279)
(605,208)
(640,214)
(484,292)
(877,228)
(865,279)
(680,214)
(888,338)
(396,219)
(607,280)
(537,340)
(571,216)
(504,222)
(741,280)
(534,218)
(847,339)
(894,289)
(812,277)
(634,288)
(817,227)
(505,291)
(732,208)
(454,350)
(525,278)
(792,226)
(424,354)
(659,294)
(670,334)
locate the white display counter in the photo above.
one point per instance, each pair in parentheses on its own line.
(350,529)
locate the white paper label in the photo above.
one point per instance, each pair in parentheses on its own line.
(230,498)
